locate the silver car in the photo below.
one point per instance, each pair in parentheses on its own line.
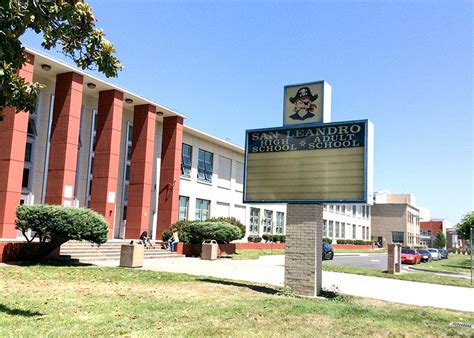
(434,254)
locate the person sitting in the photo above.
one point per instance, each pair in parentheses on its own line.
(146,241)
(174,240)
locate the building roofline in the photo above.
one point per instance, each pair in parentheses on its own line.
(214,139)
(89,77)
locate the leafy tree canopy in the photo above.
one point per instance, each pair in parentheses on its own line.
(440,239)
(463,229)
(69,24)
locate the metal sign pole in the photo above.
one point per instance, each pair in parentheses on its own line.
(471,239)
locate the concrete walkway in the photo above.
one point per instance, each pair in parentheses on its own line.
(270,270)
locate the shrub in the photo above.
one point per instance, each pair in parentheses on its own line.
(54,225)
(222,232)
(231,220)
(183,231)
(267,237)
(282,238)
(354,241)
(254,239)
(327,240)
(276,238)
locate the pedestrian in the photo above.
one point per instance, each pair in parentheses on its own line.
(174,240)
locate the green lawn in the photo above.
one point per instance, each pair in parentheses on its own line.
(255,254)
(85,301)
(409,276)
(455,263)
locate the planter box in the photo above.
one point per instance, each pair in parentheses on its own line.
(20,251)
(194,250)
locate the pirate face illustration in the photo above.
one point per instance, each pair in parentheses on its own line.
(304,107)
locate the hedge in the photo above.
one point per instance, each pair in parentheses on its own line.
(354,241)
(254,239)
(54,225)
(195,232)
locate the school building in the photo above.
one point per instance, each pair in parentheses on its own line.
(92,144)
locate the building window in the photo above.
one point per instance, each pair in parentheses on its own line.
(398,236)
(337,230)
(205,165)
(425,233)
(338,209)
(225,172)
(254,220)
(331,208)
(343,209)
(186,160)
(354,211)
(343,230)
(280,220)
(331,229)
(325,228)
(202,209)
(267,221)
(239,176)
(183,208)
(354,231)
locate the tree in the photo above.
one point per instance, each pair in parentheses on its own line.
(67,23)
(440,239)
(463,229)
(54,225)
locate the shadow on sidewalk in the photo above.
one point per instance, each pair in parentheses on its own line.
(257,288)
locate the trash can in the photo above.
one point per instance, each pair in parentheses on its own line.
(209,249)
(131,255)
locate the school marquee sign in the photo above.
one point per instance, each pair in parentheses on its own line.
(309,162)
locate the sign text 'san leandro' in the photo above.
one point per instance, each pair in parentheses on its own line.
(308,164)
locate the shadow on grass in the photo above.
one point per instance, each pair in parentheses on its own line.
(257,288)
(50,263)
(18,312)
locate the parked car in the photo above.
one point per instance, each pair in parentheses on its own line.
(434,254)
(328,252)
(443,253)
(425,255)
(410,256)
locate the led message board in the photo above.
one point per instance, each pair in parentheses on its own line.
(323,163)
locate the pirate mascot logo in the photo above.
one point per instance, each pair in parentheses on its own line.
(304,106)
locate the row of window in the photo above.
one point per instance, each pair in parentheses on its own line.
(267,221)
(413,218)
(337,230)
(360,211)
(202,209)
(206,164)
(425,233)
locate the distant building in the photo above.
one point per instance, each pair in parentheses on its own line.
(395,219)
(429,230)
(347,221)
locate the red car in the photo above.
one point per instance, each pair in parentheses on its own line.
(410,256)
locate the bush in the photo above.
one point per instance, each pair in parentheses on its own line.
(282,238)
(183,231)
(222,232)
(231,220)
(354,241)
(327,240)
(54,225)
(254,239)
(276,238)
(267,237)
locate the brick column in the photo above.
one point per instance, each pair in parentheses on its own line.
(12,156)
(394,257)
(170,173)
(303,253)
(64,139)
(141,167)
(106,155)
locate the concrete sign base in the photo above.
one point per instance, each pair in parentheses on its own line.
(303,253)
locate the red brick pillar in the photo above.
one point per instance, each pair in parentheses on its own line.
(106,155)
(12,156)
(64,139)
(168,205)
(141,167)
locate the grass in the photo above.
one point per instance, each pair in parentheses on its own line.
(255,254)
(408,276)
(455,263)
(85,301)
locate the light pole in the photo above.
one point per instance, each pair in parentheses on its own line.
(471,239)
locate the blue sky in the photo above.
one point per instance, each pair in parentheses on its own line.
(405,65)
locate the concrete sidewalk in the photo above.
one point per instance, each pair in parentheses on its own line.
(270,270)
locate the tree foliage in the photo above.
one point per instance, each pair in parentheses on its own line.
(66,25)
(54,225)
(440,239)
(463,229)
